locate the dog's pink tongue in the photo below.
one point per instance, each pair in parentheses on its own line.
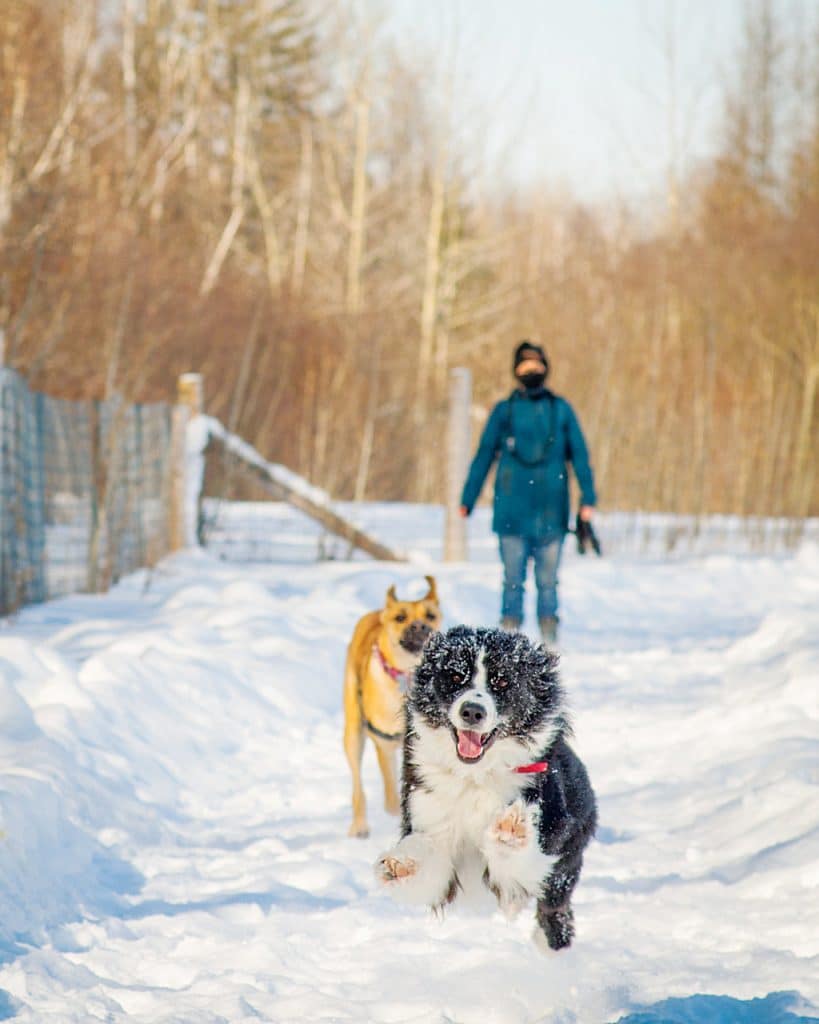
(469,743)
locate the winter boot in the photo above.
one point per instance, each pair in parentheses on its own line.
(548,630)
(510,624)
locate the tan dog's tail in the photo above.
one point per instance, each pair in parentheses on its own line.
(354,743)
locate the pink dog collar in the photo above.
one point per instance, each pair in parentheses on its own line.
(402,678)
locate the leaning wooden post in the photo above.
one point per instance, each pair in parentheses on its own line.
(459,442)
(189,403)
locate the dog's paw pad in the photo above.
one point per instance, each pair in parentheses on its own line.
(393,869)
(511,828)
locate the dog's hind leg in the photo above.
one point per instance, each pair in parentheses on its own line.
(554,910)
(386,762)
(354,748)
(557,925)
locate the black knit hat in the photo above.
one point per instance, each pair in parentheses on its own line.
(526,350)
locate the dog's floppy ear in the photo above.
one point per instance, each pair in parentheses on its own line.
(545,682)
(434,651)
(432,592)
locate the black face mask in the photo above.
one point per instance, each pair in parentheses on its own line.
(532,381)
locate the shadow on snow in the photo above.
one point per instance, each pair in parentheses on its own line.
(775,1008)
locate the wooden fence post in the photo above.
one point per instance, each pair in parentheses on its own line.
(459,442)
(189,403)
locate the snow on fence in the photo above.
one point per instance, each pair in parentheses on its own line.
(206,433)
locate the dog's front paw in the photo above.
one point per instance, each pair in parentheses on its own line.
(392,869)
(416,871)
(511,827)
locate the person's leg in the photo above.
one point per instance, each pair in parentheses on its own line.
(547,560)
(514,555)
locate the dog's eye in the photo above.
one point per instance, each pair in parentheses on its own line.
(431,616)
(401,617)
(456,677)
(500,683)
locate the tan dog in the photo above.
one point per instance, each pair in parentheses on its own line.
(384,651)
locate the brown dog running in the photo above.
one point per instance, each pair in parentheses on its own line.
(384,651)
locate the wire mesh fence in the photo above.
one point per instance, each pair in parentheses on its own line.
(273,531)
(84,492)
(90,491)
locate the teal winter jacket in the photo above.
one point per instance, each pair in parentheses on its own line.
(535,437)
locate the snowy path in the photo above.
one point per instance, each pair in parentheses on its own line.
(174,804)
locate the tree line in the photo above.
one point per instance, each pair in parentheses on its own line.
(267,192)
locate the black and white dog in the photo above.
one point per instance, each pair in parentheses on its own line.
(492,795)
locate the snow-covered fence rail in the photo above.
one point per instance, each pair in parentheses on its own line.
(206,434)
(83,491)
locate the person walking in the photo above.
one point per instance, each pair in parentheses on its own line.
(534,434)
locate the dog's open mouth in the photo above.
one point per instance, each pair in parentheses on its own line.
(472,745)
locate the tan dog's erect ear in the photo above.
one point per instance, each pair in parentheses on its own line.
(432,593)
(391,596)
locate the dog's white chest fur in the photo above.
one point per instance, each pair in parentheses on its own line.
(469,824)
(458,802)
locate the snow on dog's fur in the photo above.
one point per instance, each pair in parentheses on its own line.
(485,704)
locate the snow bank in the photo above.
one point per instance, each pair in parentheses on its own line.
(53,866)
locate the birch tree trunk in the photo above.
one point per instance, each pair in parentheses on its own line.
(239,176)
(358,206)
(303,196)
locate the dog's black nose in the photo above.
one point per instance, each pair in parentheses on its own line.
(421,629)
(415,636)
(472,714)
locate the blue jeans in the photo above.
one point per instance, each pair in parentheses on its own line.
(515,553)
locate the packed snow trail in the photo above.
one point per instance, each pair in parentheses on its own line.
(175,803)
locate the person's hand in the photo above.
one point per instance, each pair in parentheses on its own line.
(584,531)
(463,511)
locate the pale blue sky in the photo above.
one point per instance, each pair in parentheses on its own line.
(578,92)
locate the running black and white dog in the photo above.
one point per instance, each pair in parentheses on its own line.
(492,795)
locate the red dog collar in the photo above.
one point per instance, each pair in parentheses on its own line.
(532,769)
